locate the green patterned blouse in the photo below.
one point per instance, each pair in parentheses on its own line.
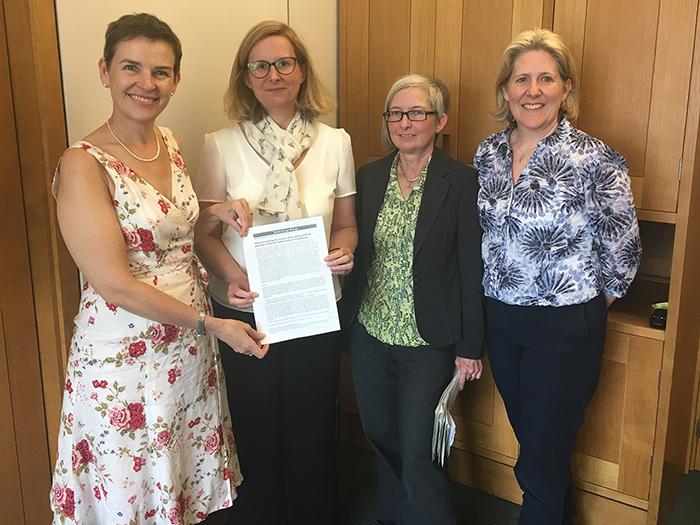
(387,311)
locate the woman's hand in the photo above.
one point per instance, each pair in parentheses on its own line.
(340,261)
(239,294)
(242,337)
(468,369)
(235,213)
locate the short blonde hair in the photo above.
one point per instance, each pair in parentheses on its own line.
(438,97)
(537,40)
(240,102)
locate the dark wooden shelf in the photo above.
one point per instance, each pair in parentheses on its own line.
(631,313)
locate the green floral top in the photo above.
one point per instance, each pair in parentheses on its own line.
(387,310)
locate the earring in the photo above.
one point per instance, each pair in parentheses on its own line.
(172,93)
(104,84)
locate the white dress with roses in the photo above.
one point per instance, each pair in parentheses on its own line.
(145,435)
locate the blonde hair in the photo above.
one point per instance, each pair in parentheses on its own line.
(438,97)
(240,102)
(537,40)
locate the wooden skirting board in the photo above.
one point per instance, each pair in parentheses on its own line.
(595,505)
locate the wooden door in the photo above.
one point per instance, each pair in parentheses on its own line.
(24,453)
(641,52)
(615,445)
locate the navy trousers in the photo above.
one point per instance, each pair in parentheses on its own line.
(397,389)
(546,364)
(283,410)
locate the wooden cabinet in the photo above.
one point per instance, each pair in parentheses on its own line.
(634,61)
(639,79)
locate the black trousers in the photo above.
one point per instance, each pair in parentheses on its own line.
(546,364)
(283,410)
(397,390)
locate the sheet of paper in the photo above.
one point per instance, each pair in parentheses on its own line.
(286,268)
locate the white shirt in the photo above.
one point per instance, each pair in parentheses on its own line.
(230,169)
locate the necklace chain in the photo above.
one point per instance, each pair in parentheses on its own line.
(137,157)
(412,181)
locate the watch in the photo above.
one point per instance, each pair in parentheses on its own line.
(200,330)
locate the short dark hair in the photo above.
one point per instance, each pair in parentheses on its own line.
(136,25)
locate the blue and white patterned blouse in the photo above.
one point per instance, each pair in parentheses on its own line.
(566,230)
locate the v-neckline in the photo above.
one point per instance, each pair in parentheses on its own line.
(142,179)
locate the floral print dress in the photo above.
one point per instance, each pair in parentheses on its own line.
(145,433)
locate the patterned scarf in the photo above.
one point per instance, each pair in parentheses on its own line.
(280,148)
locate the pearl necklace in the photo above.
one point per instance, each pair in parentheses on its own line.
(137,157)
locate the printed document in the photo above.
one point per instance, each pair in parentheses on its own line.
(286,268)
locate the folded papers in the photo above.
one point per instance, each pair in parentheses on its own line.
(444,428)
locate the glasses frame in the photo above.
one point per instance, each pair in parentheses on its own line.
(407,114)
(270,65)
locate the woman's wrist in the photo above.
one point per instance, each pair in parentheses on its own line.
(212,324)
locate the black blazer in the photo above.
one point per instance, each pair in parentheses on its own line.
(447,266)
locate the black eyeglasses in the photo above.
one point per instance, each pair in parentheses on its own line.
(261,68)
(394,115)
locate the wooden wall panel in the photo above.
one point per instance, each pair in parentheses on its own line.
(448,53)
(570,24)
(482,422)
(672,66)
(486,27)
(618,67)
(40,124)
(639,420)
(21,350)
(531,15)
(10,487)
(422,37)
(355,76)
(695,430)
(390,59)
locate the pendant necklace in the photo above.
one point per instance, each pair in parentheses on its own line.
(412,181)
(137,157)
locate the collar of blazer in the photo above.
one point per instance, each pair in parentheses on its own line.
(434,193)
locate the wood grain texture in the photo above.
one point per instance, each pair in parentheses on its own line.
(481,417)
(526,16)
(674,430)
(670,88)
(354,115)
(618,67)
(40,125)
(448,53)
(10,486)
(596,510)
(601,433)
(422,37)
(486,30)
(390,54)
(639,419)
(570,24)
(21,349)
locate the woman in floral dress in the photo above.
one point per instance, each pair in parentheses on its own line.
(145,435)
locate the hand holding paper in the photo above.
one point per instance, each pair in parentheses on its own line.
(286,267)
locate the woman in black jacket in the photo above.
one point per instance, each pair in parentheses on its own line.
(414,297)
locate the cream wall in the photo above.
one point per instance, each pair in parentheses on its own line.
(210,32)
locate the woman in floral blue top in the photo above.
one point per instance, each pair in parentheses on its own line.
(561,242)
